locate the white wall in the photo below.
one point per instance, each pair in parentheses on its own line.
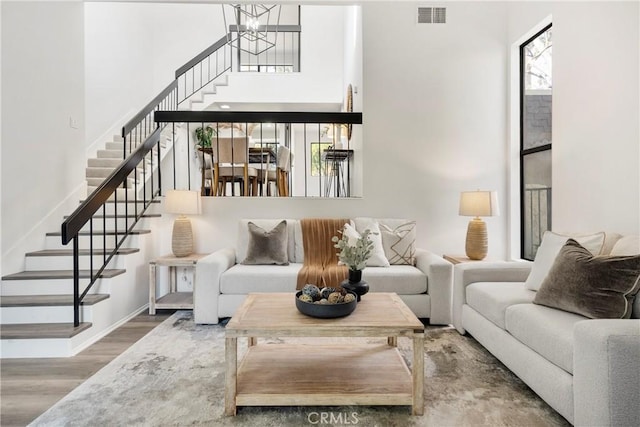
(132,52)
(596,114)
(118,65)
(435,117)
(596,141)
(321,71)
(43,88)
(434,106)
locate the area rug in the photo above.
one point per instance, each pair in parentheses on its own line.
(174,376)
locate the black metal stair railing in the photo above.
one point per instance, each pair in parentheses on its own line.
(107,193)
(141,160)
(203,69)
(141,164)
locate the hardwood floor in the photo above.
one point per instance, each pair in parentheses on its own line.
(28,387)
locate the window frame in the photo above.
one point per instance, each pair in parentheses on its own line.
(524,152)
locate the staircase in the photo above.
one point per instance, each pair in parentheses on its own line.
(36,304)
(201,100)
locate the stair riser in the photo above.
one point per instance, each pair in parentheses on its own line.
(55,242)
(103,163)
(96,182)
(50,287)
(114,145)
(110,208)
(43,314)
(101,172)
(110,154)
(40,263)
(118,153)
(111,223)
(129,194)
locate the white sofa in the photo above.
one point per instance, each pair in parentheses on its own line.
(586,369)
(222,282)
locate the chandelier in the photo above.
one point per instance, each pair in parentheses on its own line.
(252,28)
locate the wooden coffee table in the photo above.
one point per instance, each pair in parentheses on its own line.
(323,373)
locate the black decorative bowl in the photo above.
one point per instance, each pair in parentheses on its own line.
(325,311)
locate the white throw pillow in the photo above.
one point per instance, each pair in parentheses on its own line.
(377,259)
(399,242)
(627,245)
(548,250)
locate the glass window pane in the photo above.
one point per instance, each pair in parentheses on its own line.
(536,216)
(537,91)
(537,62)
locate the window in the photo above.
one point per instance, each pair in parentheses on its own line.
(535,140)
(318,165)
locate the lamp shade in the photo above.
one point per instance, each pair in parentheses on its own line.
(182,202)
(479,203)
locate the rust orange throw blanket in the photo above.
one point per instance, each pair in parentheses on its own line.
(320,257)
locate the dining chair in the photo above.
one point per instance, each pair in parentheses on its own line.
(231,165)
(280,176)
(206,170)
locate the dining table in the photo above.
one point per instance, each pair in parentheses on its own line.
(259,156)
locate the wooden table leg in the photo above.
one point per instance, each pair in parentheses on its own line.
(418,373)
(392,341)
(173,273)
(231,378)
(152,289)
(251,341)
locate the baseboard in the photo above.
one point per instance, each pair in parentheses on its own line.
(104,333)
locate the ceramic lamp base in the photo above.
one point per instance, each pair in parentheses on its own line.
(182,240)
(477,241)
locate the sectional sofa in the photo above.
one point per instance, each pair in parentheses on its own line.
(223,281)
(586,369)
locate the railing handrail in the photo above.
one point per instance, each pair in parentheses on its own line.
(201,56)
(135,120)
(257,116)
(74,223)
(269,28)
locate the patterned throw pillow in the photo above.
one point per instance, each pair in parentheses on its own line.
(399,242)
(378,257)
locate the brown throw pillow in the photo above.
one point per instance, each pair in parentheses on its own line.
(599,287)
(267,247)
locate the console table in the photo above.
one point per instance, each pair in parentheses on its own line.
(334,160)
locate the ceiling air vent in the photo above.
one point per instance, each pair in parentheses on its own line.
(432,15)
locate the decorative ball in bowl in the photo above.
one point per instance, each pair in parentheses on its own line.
(325,303)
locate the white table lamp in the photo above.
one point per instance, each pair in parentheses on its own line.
(478,204)
(182,202)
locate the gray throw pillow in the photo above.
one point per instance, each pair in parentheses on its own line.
(598,287)
(267,247)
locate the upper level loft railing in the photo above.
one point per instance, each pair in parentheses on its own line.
(284,57)
(214,61)
(305,154)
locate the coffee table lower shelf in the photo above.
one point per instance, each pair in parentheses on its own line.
(323,374)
